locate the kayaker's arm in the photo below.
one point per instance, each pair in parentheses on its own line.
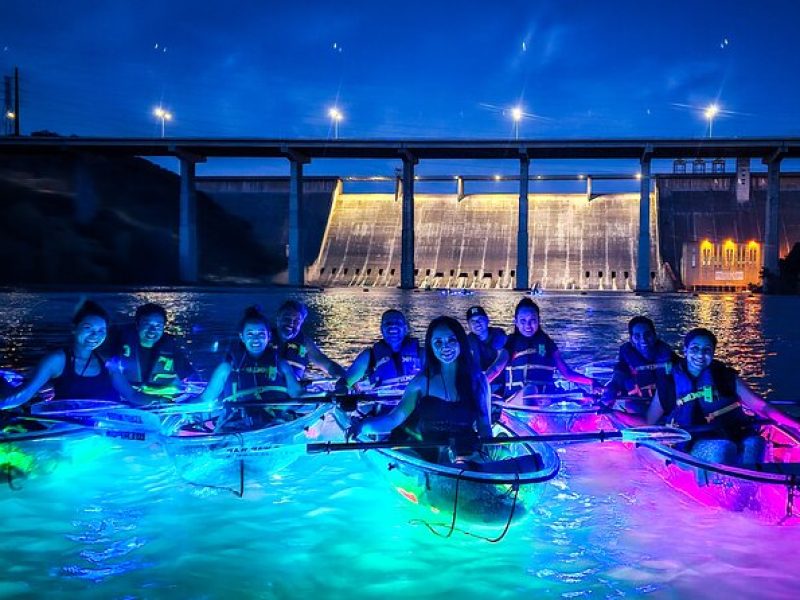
(761,407)
(318,358)
(358,370)
(123,386)
(571,375)
(398,415)
(293,387)
(656,411)
(51,366)
(485,421)
(500,362)
(217,383)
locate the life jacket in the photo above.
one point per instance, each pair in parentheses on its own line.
(72,385)
(710,399)
(165,365)
(294,352)
(387,367)
(486,352)
(641,376)
(530,362)
(254,377)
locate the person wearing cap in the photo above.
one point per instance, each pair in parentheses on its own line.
(390,361)
(485,342)
(296,348)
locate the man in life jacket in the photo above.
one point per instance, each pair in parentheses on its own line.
(643,364)
(530,357)
(295,347)
(151,360)
(391,361)
(485,342)
(707,397)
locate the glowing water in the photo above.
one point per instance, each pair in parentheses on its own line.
(120,524)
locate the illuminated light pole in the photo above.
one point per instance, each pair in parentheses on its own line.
(712,110)
(163,115)
(516,114)
(335,116)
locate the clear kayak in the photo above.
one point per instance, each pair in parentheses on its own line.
(768,491)
(558,412)
(500,489)
(224,460)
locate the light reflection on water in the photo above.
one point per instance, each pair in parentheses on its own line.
(121,524)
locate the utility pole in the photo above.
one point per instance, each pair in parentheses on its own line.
(16,101)
(7,105)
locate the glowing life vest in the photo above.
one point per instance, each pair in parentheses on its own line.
(644,375)
(531,361)
(389,368)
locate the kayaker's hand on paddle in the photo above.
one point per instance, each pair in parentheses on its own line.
(341,386)
(354,430)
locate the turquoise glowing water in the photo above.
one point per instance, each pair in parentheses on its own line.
(120,523)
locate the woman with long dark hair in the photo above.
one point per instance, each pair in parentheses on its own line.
(448,401)
(77,371)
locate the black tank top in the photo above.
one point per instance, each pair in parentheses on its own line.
(73,385)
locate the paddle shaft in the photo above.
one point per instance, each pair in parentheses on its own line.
(551,437)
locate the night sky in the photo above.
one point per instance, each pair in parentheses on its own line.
(406,69)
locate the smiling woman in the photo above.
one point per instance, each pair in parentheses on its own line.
(78,372)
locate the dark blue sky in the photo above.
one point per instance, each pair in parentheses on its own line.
(413,69)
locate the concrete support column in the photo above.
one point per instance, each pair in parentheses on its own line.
(296,259)
(771,242)
(187,224)
(460,188)
(85,194)
(407,258)
(522,226)
(643,281)
(588,188)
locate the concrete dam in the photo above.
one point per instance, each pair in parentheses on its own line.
(574,243)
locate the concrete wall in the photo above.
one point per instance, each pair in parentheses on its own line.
(693,208)
(472,242)
(264,203)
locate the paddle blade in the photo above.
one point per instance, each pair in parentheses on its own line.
(659,434)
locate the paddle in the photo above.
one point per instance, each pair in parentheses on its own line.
(663,435)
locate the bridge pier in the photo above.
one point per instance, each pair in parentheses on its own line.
(771,218)
(187,222)
(296,264)
(407,240)
(643,281)
(522,225)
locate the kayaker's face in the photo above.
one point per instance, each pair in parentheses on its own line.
(90,333)
(527,322)
(394,330)
(289,324)
(643,339)
(479,325)
(699,354)
(151,328)
(255,337)
(445,344)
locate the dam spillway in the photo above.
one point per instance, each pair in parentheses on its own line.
(575,243)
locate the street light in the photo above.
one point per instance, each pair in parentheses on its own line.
(516,114)
(164,115)
(335,116)
(10,115)
(712,110)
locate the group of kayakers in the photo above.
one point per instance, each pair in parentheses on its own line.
(449,382)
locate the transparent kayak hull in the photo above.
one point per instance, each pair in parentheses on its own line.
(769,492)
(503,490)
(225,459)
